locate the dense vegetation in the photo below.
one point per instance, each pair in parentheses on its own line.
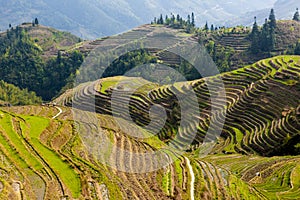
(12,95)
(22,64)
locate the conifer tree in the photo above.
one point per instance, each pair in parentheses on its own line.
(193,19)
(161,20)
(271,39)
(272,19)
(265,37)
(206,27)
(36,21)
(255,38)
(212,27)
(296,16)
(297,48)
(178,18)
(189,19)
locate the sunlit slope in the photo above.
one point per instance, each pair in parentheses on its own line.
(45,158)
(261,106)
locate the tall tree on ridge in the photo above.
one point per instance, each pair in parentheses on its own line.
(272,19)
(36,21)
(206,26)
(189,19)
(255,38)
(296,15)
(193,19)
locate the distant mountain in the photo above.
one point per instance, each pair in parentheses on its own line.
(284,9)
(95,18)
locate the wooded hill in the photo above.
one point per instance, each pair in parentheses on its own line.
(37,57)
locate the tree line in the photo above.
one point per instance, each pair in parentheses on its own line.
(12,95)
(22,64)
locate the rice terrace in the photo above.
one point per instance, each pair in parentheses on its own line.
(129,128)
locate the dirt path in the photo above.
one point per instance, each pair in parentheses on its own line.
(192,177)
(60,111)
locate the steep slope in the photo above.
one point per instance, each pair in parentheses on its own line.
(237,42)
(30,59)
(47,158)
(258,112)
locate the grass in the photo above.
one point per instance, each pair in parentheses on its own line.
(69,177)
(239,189)
(106,85)
(19,146)
(166,182)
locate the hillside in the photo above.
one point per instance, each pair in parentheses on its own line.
(30,58)
(93,19)
(12,95)
(57,159)
(253,91)
(236,42)
(52,57)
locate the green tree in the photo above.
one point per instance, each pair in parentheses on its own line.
(193,19)
(265,37)
(296,16)
(161,20)
(255,37)
(36,21)
(272,19)
(212,28)
(206,26)
(188,19)
(297,48)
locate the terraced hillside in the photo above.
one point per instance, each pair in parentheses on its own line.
(238,40)
(44,156)
(259,117)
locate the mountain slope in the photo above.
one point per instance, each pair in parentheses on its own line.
(284,9)
(12,95)
(48,158)
(256,106)
(94,18)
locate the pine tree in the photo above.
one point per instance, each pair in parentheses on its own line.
(212,27)
(206,27)
(166,20)
(172,19)
(297,49)
(265,37)
(189,19)
(255,38)
(178,18)
(272,19)
(36,21)
(271,39)
(296,16)
(161,20)
(193,19)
